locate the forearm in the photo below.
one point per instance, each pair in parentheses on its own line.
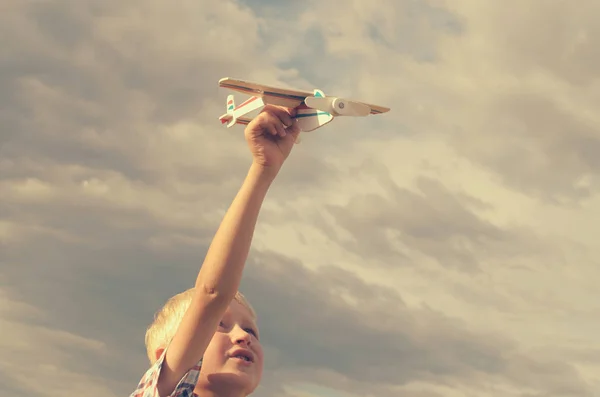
(221,272)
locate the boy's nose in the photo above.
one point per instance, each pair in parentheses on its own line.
(243,339)
(241,336)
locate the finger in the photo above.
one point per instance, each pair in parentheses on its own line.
(276,121)
(286,119)
(281,112)
(280,128)
(272,128)
(294,128)
(269,124)
(286,116)
(293,133)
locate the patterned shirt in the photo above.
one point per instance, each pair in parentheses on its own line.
(185,387)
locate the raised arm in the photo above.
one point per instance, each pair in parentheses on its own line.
(220,275)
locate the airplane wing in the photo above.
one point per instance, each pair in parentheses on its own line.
(271,95)
(243,120)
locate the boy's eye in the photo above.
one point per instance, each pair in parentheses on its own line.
(250,331)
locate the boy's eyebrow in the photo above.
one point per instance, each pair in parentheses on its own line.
(249,322)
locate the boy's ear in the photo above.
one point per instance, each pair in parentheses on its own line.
(158,352)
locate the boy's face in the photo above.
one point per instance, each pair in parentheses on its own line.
(233,360)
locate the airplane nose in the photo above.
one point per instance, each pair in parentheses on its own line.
(350,108)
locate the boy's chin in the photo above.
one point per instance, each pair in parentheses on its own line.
(234,380)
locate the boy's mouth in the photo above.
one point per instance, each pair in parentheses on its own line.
(243,354)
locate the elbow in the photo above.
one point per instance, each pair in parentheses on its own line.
(212,294)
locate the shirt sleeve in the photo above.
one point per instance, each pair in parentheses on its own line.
(185,387)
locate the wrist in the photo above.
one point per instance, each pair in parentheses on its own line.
(263,173)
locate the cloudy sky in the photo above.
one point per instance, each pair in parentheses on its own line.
(447,248)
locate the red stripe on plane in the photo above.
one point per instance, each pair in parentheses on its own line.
(247,102)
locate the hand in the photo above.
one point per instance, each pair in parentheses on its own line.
(271,136)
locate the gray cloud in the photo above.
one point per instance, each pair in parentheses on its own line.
(378,340)
(551,37)
(540,148)
(534,132)
(432,221)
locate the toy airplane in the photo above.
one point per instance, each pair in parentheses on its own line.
(313,110)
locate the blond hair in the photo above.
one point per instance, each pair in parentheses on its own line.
(167,319)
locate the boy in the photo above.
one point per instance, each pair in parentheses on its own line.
(214,351)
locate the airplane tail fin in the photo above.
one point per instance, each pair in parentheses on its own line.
(230,104)
(229,117)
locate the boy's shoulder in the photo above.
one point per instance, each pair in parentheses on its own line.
(185,388)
